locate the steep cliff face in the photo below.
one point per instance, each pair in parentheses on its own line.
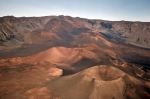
(16,31)
(135,33)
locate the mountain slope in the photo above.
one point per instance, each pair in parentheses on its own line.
(15,29)
(61,57)
(99,82)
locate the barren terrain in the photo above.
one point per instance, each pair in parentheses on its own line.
(61,57)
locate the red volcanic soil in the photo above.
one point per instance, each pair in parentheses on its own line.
(98,82)
(61,57)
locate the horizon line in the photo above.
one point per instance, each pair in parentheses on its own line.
(70,16)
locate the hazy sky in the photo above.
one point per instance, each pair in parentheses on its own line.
(131,10)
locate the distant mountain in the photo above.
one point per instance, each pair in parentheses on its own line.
(17,31)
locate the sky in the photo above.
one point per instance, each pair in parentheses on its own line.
(114,10)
